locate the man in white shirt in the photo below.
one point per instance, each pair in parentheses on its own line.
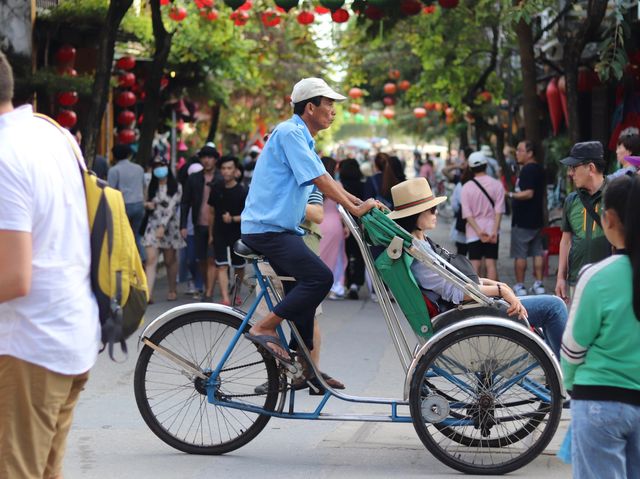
(49,327)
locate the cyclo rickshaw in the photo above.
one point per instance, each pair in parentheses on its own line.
(482,390)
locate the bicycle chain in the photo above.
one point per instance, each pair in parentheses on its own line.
(248,395)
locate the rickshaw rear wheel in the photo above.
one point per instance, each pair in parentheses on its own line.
(174,404)
(504,399)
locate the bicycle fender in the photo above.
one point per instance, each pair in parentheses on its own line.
(483,320)
(173,313)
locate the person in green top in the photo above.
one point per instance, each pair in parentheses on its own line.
(600,354)
(583,241)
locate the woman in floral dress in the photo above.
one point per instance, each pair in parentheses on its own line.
(163,227)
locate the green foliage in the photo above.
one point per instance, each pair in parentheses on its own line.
(77,12)
(49,81)
(613,57)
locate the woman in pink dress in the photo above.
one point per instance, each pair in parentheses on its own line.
(332,244)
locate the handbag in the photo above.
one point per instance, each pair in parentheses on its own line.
(458,261)
(461,223)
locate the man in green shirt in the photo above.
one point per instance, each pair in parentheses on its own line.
(583,241)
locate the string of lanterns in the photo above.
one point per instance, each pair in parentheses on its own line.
(374,10)
(126,99)
(65,58)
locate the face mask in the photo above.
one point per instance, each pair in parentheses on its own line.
(161,172)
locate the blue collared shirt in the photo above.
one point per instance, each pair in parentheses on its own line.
(282,180)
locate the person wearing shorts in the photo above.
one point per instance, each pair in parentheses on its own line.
(528,219)
(482,201)
(226,203)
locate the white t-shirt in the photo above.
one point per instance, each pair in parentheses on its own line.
(56,325)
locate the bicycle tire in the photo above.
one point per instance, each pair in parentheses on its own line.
(486,346)
(175,406)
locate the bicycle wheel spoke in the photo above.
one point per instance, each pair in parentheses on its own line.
(175,404)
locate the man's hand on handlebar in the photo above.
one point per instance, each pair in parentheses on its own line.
(365,207)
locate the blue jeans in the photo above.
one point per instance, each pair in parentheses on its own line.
(605,440)
(549,313)
(135,213)
(289,256)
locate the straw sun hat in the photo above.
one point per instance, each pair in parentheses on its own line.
(412,197)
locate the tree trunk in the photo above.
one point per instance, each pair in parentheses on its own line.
(530,102)
(574,38)
(152,103)
(215,119)
(100,91)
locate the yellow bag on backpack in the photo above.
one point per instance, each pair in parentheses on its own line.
(118,279)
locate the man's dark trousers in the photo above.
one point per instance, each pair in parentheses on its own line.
(289,256)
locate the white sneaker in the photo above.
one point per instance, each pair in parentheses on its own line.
(520,290)
(537,288)
(191,287)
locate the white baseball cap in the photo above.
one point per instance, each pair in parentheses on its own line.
(312,87)
(476,158)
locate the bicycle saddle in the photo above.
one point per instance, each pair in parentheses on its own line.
(243,250)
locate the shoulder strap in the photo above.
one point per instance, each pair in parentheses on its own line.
(493,203)
(74,146)
(589,208)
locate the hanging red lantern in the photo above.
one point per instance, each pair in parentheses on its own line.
(355,93)
(340,15)
(394,74)
(388,113)
(126,99)
(126,63)
(485,96)
(126,118)
(332,5)
(239,17)
(68,98)
(67,118)
(354,108)
(390,88)
(404,85)
(178,14)
(562,87)
(448,3)
(305,17)
(126,136)
(246,6)
(206,3)
(287,5)
(428,105)
(389,100)
(554,104)
(410,7)
(126,80)
(429,9)
(270,18)
(164,83)
(448,111)
(213,14)
(164,2)
(234,4)
(65,54)
(419,112)
(437,106)
(374,13)
(321,10)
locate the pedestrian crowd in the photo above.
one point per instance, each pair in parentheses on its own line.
(49,328)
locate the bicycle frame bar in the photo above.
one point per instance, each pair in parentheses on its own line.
(397,333)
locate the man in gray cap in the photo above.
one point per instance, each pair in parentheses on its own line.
(583,240)
(285,174)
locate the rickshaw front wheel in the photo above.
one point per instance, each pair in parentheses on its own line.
(504,398)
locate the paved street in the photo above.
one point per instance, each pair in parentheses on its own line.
(110,440)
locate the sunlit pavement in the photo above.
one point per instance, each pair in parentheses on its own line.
(110,440)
